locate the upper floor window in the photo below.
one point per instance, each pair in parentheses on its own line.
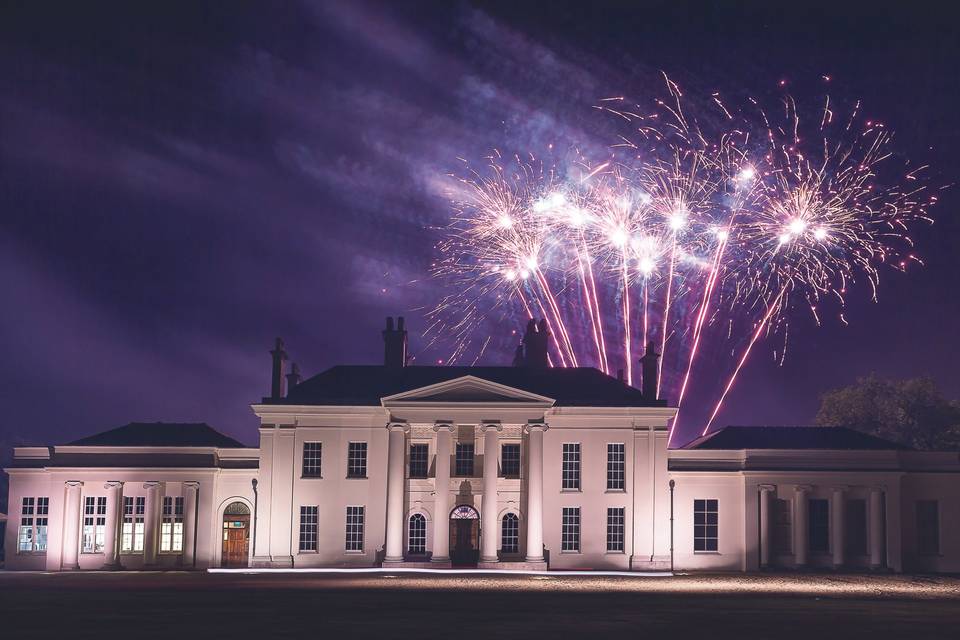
(171,526)
(355,518)
(312,458)
(570,529)
(706,525)
(928,527)
(510,538)
(357,460)
(309,520)
(818,525)
(571,466)
(132,532)
(616,466)
(510,460)
(417,534)
(464,460)
(615,529)
(33,525)
(94,523)
(418,460)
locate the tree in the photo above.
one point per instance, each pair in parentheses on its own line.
(912,412)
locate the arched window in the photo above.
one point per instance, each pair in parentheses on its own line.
(417,539)
(511,534)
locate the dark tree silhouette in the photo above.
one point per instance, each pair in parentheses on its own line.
(913,412)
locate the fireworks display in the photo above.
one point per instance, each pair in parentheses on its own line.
(692,229)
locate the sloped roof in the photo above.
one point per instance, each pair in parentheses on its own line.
(834,438)
(362,385)
(160,434)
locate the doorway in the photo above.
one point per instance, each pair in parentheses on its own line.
(464,536)
(236,535)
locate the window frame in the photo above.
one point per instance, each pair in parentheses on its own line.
(703,527)
(34,520)
(171,525)
(508,473)
(464,459)
(420,535)
(94,510)
(570,467)
(311,467)
(135,518)
(570,530)
(513,534)
(615,536)
(309,532)
(425,461)
(361,512)
(357,463)
(612,471)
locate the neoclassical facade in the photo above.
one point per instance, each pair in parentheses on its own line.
(523,467)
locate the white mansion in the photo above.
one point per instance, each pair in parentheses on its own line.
(493,467)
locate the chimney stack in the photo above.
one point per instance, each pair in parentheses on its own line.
(536,342)
(293,378)
(395,344)
(276,380)
(650,366)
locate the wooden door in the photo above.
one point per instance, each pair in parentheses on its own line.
(236,540)
(464,538)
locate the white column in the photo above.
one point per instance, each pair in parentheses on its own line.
(190,490)
(837,525)
(876,528)
(394,546)
(441,495)
(488,518)
(111,550)
(151,522)
(71,526)
(765,492)
(535,492)
(800,542)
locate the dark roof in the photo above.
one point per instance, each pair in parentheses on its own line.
(366,385)
(792,438)
(160,434)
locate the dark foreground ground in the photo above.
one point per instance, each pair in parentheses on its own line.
(198,605)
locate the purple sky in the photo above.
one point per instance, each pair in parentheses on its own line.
(180,184)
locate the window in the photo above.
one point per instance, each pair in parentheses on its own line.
(818,526)
(570,532)
(616,466)
(856,527)
(510,460)
(928,527)
(354,529)
(571,467)
(510,534)
(705,525)
(781,533)
(357,460)
(33,525)
(418,460)
(464,461)
(417,535)
(312,456)
(615,529)
(309,519)
(133,510)
(94,523)
(171,527)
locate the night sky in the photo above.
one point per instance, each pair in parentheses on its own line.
(182,182)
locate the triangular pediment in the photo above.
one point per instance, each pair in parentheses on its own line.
(467,390)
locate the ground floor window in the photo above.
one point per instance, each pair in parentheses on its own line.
(781,530)
(615,529)
(818,525)
(354,540)
(94,523)
(706,529)
(171,527)
(570,532)
(132,532)
(510,534)
(33,525)
(856,527)
(309,521)
(417,534)
(928,527)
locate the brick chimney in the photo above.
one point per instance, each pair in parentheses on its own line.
(276,380)
(650,366)
(536,341)
(395,344)
(293,378)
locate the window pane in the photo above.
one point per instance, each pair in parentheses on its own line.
(510,542)
(616,466)
(615,529)
(570,532)
(705,529)
(309,522)
(571,466)
(464,459)
(818,526)
(357,460)
(26,537)
(417,534)
(312,454)
(418,460)
(510,460)
(354,540)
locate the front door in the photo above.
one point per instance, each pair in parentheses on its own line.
(236,540)
(464,550)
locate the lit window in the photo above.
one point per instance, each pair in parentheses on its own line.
(510,460)
(928,527)
(615,529)
(570,532)
(417,535)
(818,525)
(312,454)
(571,466)
(132,533)
(94,523)
(418,460)
(357,460)
(171,526)
(705,525)
(354,529)
(510,534)
(464,459)
(309,519)
(616,466)
(33,525)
